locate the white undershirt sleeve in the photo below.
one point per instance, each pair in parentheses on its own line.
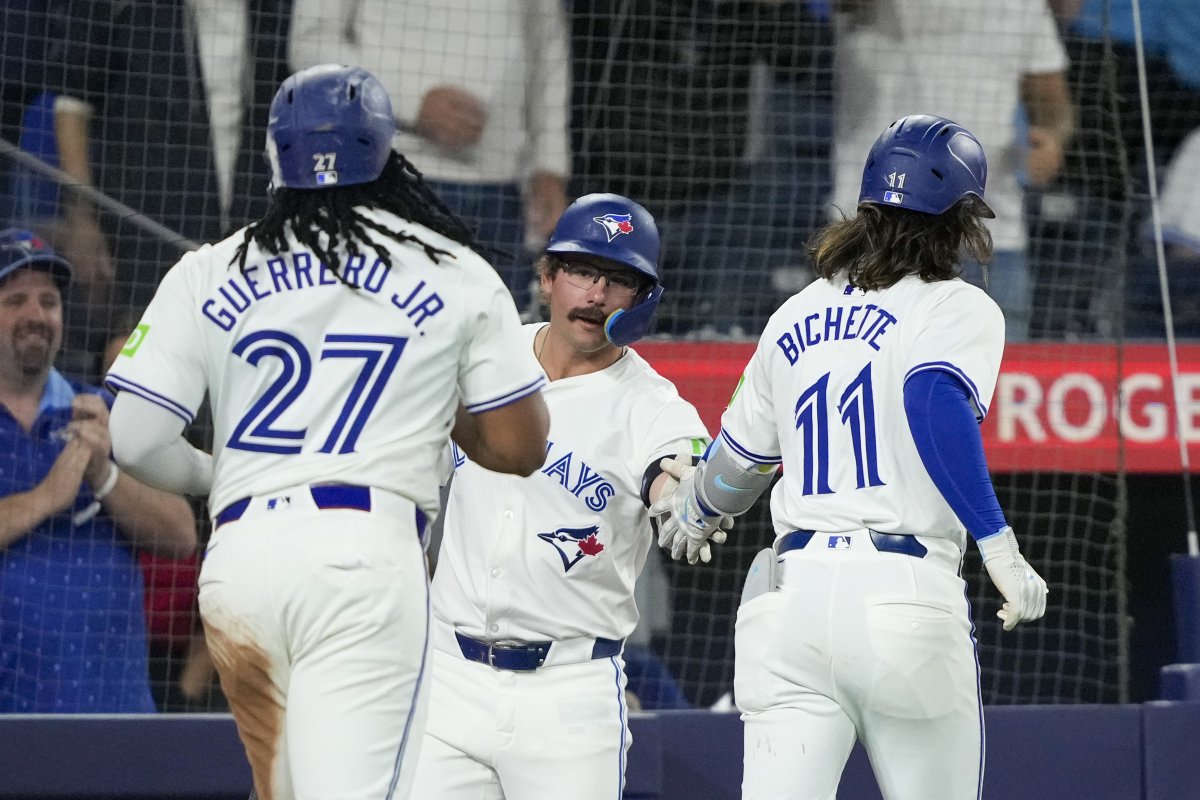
(147,443)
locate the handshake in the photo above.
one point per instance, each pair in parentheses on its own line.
(685,526)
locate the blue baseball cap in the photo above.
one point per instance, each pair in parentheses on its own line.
(21,249)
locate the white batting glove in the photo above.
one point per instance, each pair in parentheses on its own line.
(1023,589)
(682,528)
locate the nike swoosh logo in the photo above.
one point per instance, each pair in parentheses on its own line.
(720,481)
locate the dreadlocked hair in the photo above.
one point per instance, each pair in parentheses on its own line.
(883,244)
(323,219)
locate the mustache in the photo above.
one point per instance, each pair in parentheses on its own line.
(588,315)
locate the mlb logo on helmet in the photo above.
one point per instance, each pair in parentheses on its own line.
(615,224)
(327,178)
(893,197)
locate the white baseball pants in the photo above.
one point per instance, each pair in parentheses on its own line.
(317,621)
(557,732)
(857,642)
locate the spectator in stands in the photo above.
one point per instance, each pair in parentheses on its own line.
(241,48)
(1102,35)
(709,112)
(1182,29)
(54,61)
(980,63)
(72,629)
(480,91)
(1180,219)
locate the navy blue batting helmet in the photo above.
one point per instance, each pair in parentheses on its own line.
(925,163)
(329,126)
(615,228)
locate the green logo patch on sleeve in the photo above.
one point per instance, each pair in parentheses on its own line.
(736,389)
(135,340)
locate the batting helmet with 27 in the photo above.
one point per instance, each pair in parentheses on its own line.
(329,126)
(925,163)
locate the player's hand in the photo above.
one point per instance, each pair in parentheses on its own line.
(682,527)
(89,426)
(1023,589)
(451,117)
(672,467)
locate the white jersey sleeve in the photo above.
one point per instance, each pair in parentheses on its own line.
(497,350)
(748,424)
(675,429)
(961,331)
(171,372)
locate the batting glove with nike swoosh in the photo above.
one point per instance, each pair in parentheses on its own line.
(1023,589)
(683,527)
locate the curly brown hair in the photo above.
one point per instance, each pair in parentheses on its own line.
(882,244)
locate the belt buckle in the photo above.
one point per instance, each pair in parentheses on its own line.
(503,644)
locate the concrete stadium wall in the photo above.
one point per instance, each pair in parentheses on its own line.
(1033,752)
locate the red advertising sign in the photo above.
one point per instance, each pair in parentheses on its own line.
(1057,407)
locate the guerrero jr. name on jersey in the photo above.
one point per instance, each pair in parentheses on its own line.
(297,272)
(867,323)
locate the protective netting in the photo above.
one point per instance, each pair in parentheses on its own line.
(740,124)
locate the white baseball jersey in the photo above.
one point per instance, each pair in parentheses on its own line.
(311,380)
(824,395)
(860,641)
(556,555)
(317,610)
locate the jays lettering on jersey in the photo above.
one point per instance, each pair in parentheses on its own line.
(824,394)
(312,380)
(556,555)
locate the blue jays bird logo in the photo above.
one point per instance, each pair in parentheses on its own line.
(615,224)
(573,544)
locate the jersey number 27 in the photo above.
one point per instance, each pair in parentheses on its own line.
(258,429)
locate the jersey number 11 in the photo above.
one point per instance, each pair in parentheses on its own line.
(857,409)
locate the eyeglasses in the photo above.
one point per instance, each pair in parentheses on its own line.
(621,283)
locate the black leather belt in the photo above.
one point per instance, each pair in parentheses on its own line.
(524,656)
(884,543)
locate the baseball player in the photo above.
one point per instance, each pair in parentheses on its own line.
(338,339)
(868,386)
(533,594)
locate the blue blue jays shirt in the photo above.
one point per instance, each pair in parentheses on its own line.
(72,628)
